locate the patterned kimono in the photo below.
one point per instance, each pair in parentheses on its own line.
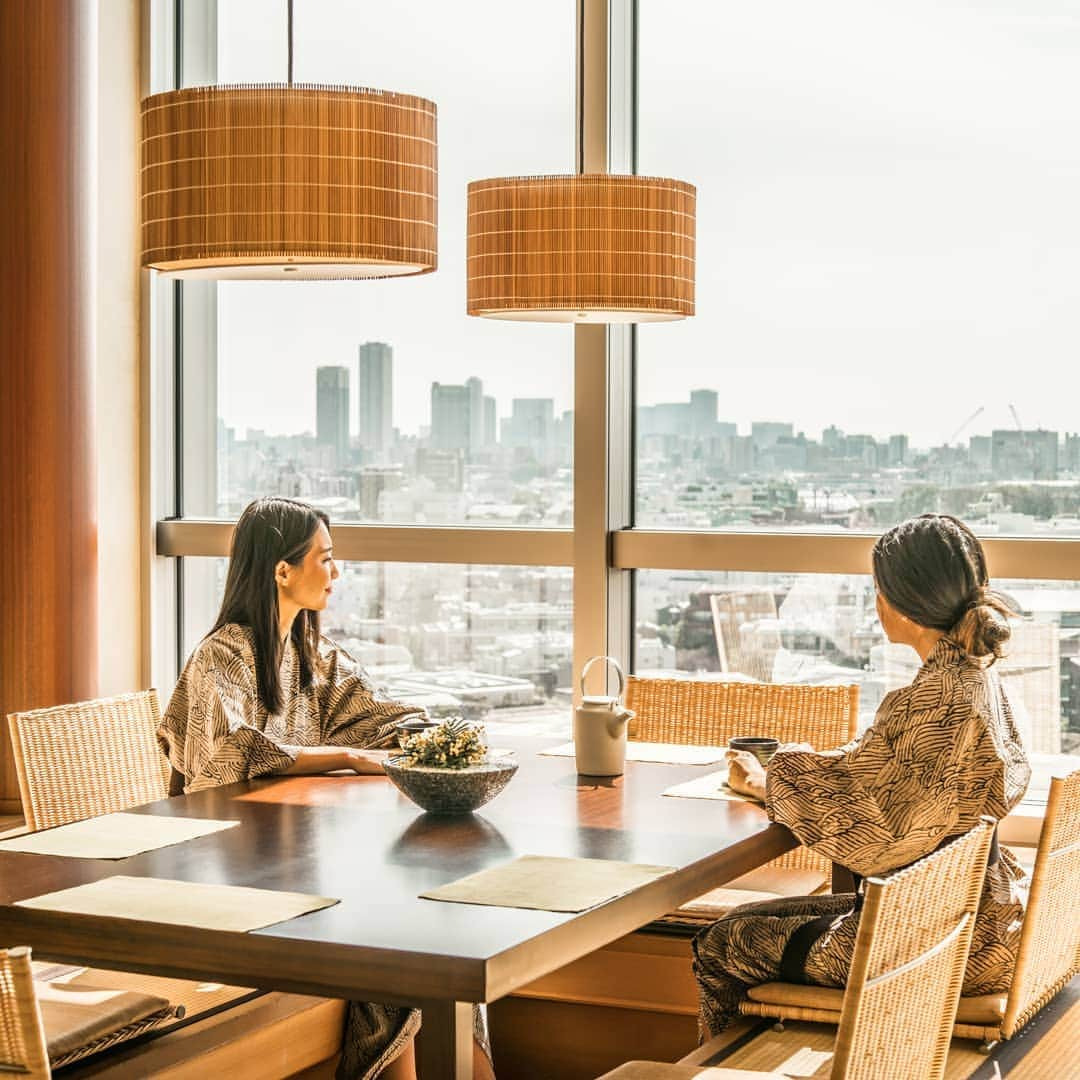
(215,731)
(940,754)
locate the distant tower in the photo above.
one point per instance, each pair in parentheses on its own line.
(450,429)
(490,434)
(459,415)
(476,413)
(375,398)
(332,411)
(703,412)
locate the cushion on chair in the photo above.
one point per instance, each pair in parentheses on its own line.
(798,996)
(764,883)
(78,1017)
(985,1009)
(658,1070)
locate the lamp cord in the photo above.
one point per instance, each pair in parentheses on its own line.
(290,6)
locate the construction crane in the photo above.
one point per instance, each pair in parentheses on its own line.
(977,412)
(1016,417)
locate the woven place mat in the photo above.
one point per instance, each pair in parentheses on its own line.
(549,883)
(664,753)
(180,903)
(711,786)
(114,836)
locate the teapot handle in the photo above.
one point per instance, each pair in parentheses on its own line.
(611,662)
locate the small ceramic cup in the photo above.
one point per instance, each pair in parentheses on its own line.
(762,748)
(413,726)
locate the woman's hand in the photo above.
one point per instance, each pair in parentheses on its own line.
(367,762)
(745,774)
(314,760)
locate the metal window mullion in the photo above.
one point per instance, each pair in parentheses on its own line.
(393,543)
(810,553)
(602,598)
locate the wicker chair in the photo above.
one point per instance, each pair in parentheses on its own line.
(1049,953)
(910,953)
(74,762)
(94,757)
(35,1037)
(709,714)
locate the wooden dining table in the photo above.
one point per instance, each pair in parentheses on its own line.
(359,840)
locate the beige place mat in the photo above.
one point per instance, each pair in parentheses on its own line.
(664,753)
(711,786)
(114,836)
(180,903)
(548,883)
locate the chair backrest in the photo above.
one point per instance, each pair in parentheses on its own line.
(1049,953)
(710,713)
(911,949)
(22,1034)
(94,757)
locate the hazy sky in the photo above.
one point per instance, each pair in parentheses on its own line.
(888,220)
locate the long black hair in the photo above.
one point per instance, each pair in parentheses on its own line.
(269,531)
(933,570)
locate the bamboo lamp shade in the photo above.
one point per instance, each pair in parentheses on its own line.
(281,182)
(582,248)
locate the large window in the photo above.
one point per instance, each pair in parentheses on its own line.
(888,321)
(491,642)
(822,628)
(380,400)
(887,241)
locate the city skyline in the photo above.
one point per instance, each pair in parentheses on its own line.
(371,425)
(887,229)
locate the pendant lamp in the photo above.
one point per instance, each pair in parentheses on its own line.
(288,181)
(583,248)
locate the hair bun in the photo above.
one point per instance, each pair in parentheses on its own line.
(983,627)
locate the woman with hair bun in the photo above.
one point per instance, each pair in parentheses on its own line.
(941,753)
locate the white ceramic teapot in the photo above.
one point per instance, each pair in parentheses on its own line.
(600,727)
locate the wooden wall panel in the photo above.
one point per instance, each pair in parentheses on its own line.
(48,565)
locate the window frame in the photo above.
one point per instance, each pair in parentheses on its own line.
(603,547)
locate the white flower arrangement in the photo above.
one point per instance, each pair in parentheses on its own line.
(454,744)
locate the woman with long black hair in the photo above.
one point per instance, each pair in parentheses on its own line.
(265,694)
(941,753)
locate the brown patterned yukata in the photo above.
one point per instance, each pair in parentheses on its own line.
(216,731)
(940,754)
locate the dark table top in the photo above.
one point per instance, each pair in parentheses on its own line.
(360,840)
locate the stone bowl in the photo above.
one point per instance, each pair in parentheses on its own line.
(451,791)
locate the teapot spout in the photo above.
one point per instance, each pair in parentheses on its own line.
(617,722)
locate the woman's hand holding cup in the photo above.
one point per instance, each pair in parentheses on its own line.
(745,774)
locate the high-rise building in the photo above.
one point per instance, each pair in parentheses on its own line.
(531,426)
(981,453)
(332,412)
(1072,453)
(704,406)
(490,428)
(476,412)
(764,433)
(1024,455)
(459,415)
(374,399)
(898,450)
(450,417)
